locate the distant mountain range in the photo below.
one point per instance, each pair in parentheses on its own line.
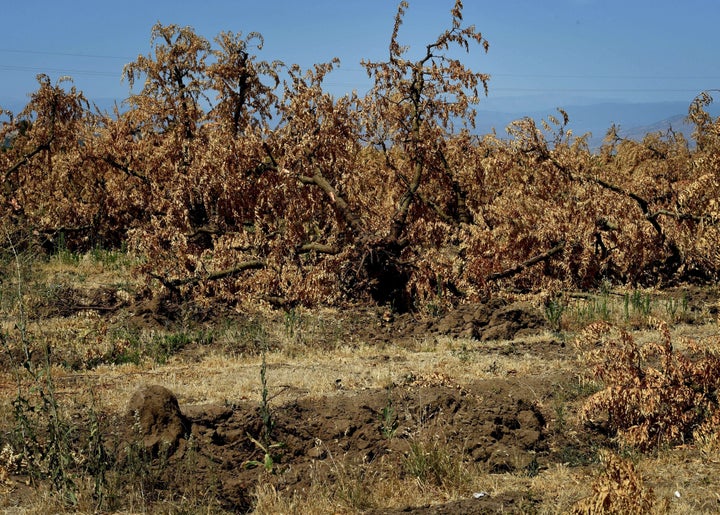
(634,120)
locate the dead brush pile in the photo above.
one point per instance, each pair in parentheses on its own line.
(235,177)
(653,393)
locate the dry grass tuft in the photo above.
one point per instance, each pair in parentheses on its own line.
(618,489)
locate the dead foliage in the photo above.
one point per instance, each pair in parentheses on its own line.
(653,393)
(618,489)
(236,176)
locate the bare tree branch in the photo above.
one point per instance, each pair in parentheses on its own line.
(174,284)
(352,219)
(527,264)
(128,171)
(27,157)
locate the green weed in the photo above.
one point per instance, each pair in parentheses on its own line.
(554,309)
(42,434)
(388,419)
(271,450)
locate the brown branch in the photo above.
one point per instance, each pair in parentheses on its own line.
(27,157)
(268,152)
(118,166)
(400,219)
(352,219)
(645,206)
(527,264)
(641,202)
(174,284)
(463,212)
(685,216)
(438,210)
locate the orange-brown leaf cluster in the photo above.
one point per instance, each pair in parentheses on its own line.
(653,394)
(220,160)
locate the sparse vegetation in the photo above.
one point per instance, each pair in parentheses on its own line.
(234,217)
(654,393)
(388,418)
(271,451)
(433,465)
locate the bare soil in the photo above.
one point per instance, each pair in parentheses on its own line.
(498,424)
(488,386)
(492,422)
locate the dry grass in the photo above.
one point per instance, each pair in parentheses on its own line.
(310,358)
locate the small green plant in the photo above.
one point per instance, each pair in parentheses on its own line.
(463,353)
(132,346)
(388,419)
(434,309)
(265,413)
(602,307)
(270,449)
(111,259)
(676,308)
(592,309)
(126,347)
(532,469)
(64,255)
(271,456)
(642,303)
(162,347)
(293,324)
(626,307)
(554,309)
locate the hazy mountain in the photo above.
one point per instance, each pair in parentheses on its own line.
(633,120)
(676,123)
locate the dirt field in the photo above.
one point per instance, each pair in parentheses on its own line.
(470,410)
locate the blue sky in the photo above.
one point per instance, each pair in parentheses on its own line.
(550,52)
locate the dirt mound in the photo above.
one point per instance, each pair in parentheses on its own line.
(66,301)
(154,415)
(480,505)
(493,423)
(494,320)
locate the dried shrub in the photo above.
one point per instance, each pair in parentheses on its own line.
(653,394)
(619,489)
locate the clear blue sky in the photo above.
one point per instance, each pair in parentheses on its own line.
(560,52)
